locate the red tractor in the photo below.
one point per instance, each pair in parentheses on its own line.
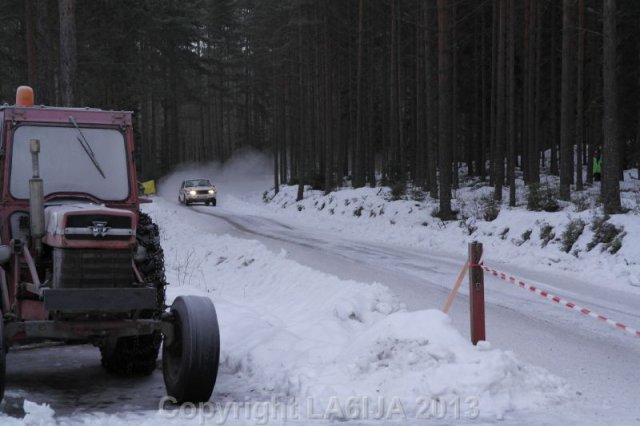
(80,262)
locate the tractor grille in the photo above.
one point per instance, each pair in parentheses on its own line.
(120,227)
(74,268)
(82,221)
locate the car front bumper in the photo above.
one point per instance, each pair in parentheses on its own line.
(200,197)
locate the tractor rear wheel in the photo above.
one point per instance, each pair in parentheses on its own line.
(190,359)
(137,355)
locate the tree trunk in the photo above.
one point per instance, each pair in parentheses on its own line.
(431,81)
(328,128)
(536,69)
(610,189)
(475,144)
(399,87)
(494,89)
(527,66)
(67,50)
(394,142)
(486,112)
(419,113)
(358,167)
(511,84)
(275,93)
(454,97)
(30,33)
(444,107)
(498,157)
(301,119)
(553,167)
(568,100)
(580,97)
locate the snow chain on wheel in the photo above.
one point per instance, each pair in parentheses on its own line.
(152,268)
(137,355)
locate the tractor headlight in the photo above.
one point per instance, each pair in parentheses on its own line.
(192,192)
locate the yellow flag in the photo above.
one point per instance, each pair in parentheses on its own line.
(149,187)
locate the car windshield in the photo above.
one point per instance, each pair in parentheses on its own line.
(197,182)
(64,164)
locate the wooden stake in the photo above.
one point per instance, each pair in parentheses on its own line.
(455,288)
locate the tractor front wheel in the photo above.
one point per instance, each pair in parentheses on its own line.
(190,359)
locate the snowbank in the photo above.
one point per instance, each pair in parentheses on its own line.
(290,331)
(526,238)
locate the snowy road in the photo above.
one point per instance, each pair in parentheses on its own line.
(598,361)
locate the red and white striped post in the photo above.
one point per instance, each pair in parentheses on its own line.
(476,293)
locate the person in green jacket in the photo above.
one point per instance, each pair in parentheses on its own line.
(597,165)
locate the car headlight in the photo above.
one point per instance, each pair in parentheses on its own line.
(192,192)
(211,191)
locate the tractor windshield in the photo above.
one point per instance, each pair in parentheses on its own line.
(65,165)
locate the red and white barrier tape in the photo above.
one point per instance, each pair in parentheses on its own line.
(558,300)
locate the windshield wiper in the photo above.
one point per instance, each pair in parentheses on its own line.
(85,145)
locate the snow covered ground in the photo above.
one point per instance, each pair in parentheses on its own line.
(302,343)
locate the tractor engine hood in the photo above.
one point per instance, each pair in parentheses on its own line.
(87,225)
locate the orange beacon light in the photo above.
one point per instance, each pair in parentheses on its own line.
(24,96)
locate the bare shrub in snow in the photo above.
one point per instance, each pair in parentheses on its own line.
(542,198)
(546,234)
(582,202)
(398,191)
(490,207)
(469,225)
(607,234)
(418,195)
(504,233)
(571,234)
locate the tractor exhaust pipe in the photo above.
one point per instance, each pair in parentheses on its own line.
(36,198)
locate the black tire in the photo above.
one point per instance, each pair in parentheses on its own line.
(152,267)
(190,361)
(206,203)
(213,202)
(3,358)
(137,355)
